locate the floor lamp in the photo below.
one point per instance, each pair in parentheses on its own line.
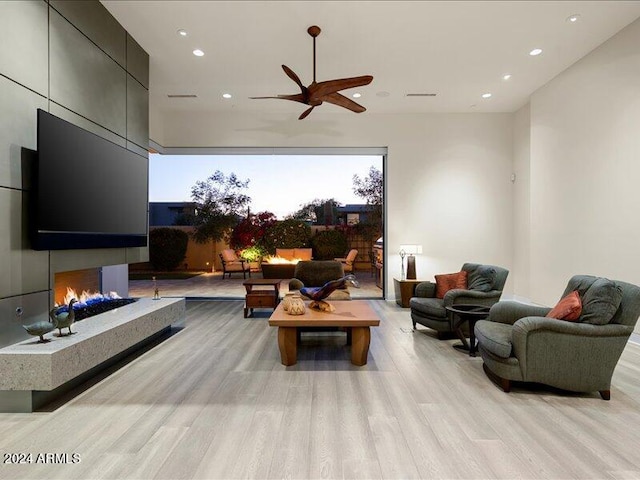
(410,251)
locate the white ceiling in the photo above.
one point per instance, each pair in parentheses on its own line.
(458,50)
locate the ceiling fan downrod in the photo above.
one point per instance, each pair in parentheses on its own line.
(314,31)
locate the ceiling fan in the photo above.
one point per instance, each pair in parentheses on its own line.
(327,91)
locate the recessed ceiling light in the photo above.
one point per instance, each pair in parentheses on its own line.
(486,95)
(182,32)
(535,51)
(356,95)
(573,18)
(506,76)
(198,53)
(226,95)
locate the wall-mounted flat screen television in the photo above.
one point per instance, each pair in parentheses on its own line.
(88,192)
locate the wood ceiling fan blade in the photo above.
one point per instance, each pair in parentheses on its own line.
(342,101)
(298,97)
(331,86)
(305,113)
(292,75)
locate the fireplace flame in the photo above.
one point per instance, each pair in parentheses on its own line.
(274,260)
(85,296)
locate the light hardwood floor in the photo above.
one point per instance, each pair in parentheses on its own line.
(213,401)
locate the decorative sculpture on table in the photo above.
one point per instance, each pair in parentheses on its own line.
(64,318)
(318,294)
(296,305)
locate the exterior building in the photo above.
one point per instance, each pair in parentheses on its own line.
(167,214)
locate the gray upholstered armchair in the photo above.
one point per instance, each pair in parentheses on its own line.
(485,285)
(315,273)
(518,343)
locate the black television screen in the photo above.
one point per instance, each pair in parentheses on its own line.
(89,192)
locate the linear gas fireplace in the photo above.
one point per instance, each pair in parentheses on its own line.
(85,286)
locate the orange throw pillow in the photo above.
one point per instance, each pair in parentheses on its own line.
(569,308)
(449,281)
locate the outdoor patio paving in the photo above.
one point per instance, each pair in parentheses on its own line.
(212,285)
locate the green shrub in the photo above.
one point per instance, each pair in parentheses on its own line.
(286,234)
(329,244)
(253,254)
(167,248)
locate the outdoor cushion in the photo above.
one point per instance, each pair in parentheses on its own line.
(495,337)
(600,302)
(302,253)
(450,281)
(482,278)
(286,253)
(569,308)
(433,307)
(229,255)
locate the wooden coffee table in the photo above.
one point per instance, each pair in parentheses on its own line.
(354,315)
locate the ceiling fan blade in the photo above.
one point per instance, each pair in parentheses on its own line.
(342,101)
(331,86)
(292,75)
(305,113)
(298,97)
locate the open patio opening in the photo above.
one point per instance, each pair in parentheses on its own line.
(278,182)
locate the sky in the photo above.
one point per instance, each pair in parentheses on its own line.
(277,183)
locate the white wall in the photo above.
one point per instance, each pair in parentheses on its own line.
(585,168)
(448,175)
(521,203)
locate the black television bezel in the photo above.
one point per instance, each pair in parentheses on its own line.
(64,240)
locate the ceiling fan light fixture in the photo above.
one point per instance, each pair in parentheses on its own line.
(198,53)
(317,93)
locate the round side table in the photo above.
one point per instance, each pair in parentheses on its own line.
(467,313)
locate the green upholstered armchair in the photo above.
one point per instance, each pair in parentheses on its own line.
(485,285)
(315,273)
(518,343)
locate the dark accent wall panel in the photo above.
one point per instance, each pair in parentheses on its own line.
(95,21)
(137,62)
(23,43)
(137,113)
(84,79)
(23,270)
(17,129)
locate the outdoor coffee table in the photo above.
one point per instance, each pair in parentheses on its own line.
(356,316)
(267,297)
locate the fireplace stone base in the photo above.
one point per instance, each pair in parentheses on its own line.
(31,373)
